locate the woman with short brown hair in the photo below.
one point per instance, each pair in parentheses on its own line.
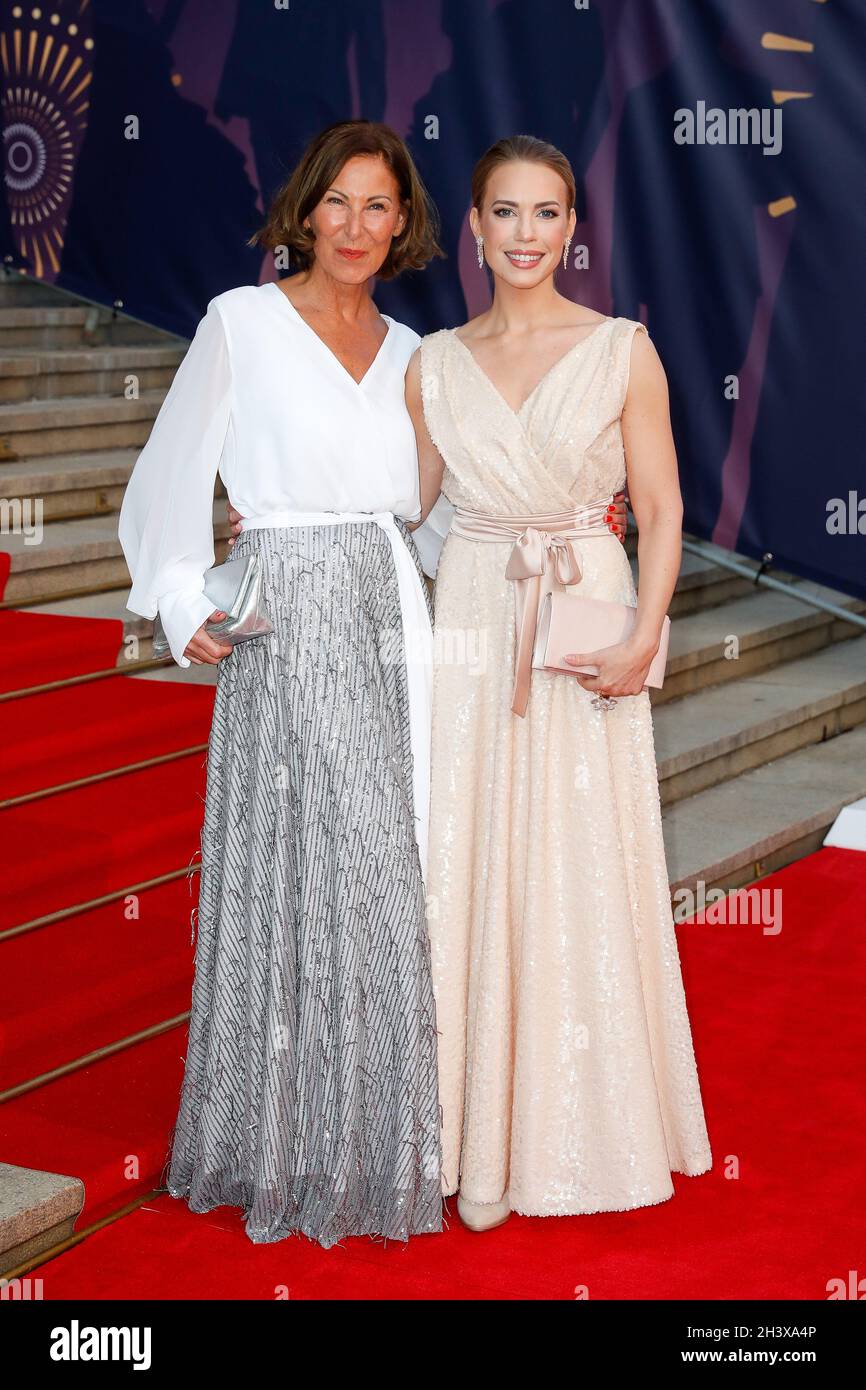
(310,1088)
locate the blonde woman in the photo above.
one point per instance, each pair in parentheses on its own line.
(566,1069)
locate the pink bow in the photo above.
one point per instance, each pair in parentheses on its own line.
(528,566)
(529,557)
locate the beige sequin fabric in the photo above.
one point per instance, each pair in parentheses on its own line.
(566,1067)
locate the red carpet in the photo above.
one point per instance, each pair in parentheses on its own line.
(77,845)
(108,1124)
(138,972)
(36,648)
(84,729)
(776,1021)
(778,1035)
(98,839)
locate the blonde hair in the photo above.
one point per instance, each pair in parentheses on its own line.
(521,147)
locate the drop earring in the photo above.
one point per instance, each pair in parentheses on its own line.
(565,252)
(479,242)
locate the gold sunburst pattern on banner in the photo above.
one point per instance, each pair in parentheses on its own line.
(46,58)
(787,43)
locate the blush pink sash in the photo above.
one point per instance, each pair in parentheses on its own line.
(542,558)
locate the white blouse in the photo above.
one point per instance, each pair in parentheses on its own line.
(261,399)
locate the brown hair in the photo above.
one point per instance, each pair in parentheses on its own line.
(524,147)
(315,172)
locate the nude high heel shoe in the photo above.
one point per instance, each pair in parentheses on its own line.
(482,1216)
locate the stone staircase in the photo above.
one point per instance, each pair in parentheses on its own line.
(71,429)
(38,1211)
(746,780)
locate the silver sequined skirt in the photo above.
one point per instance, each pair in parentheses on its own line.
(310,1087)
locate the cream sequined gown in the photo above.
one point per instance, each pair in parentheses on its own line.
(566,1069)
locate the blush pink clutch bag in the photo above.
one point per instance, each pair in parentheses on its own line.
(573,623)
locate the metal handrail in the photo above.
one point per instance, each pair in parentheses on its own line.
(782,586)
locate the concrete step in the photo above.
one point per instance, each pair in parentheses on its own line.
(51,325)
(75,424)
(701,584)
(73,485)
(704,581)
(184,675)
(77,557)
(719,733)
(19,290)
(37,1211)
(728,642)
(732,834)
(28,374)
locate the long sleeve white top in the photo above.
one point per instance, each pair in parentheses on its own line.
(262,400)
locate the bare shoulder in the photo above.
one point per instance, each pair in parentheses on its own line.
(643,353)
(634,329)
(646,378)
(413,370)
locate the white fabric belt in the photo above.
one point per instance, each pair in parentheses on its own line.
(417,643)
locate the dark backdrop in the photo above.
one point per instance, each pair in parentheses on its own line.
(745,266)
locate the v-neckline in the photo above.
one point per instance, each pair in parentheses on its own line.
(319,339)
(537,387)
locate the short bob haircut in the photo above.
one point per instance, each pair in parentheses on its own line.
(315,173)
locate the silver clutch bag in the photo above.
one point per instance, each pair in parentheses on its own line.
(235,589)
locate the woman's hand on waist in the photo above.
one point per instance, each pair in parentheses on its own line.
(235,520)
(204,650)
(617,516)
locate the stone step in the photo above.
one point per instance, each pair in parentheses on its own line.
(184,675)
(73,485)
(732,834)
(51,325)
(75,424)
(70,485)
(713,646)
(701,584)
(28,374)
(715,734)
(19,290)
(37,1211)
(77,557)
